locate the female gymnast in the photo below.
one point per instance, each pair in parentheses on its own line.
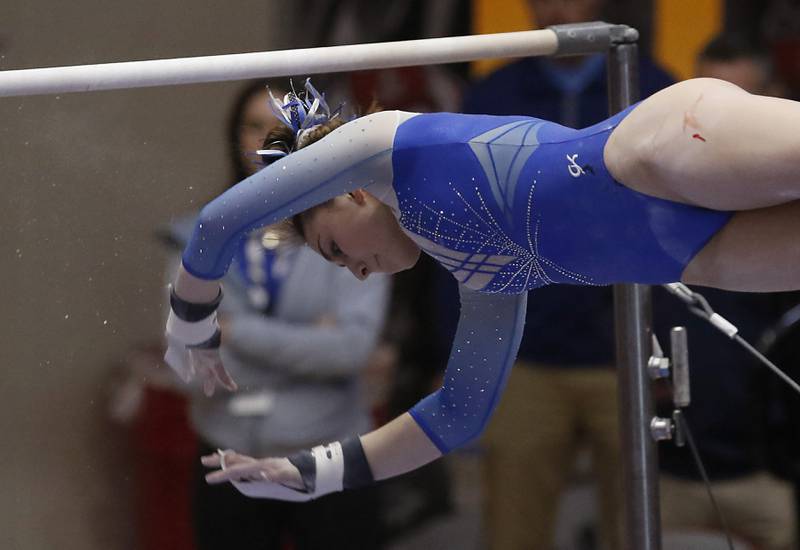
(698,183)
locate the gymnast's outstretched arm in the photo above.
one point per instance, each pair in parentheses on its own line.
(355,155)
(483,352)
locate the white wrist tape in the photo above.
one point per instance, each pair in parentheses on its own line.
(191,334)
(329,460)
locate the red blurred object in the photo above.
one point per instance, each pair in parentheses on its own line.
(165,448)
(403,88)
(414,89)
(786,55)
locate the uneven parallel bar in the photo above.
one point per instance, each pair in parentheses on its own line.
(632,309)
(189,70)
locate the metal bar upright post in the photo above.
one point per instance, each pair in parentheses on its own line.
(632,312)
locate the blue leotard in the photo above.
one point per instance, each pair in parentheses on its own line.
(513,203)
(506,204)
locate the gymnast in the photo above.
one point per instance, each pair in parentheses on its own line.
(698,183)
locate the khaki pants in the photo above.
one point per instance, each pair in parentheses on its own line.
(759,508)
(544,417)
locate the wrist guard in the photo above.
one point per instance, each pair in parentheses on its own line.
(336,466)
(193,325)
(324,469)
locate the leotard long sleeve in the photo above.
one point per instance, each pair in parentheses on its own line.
(506,204)
(356,155)
(484,349)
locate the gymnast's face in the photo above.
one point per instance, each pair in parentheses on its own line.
(359,232)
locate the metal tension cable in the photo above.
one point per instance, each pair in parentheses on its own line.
(698,305)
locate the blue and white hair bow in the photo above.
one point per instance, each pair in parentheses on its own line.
(301,114)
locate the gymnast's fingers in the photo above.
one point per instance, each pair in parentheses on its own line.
(222,376)
(209,362)
(246,471)
(208,381)
(223,459)
(211,461)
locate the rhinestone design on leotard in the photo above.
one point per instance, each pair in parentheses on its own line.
(469,241)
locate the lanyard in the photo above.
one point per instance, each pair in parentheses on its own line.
(263,267)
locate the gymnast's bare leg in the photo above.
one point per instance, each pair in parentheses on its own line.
(709,143)
(757,251)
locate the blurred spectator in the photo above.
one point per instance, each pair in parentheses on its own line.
(780,28)
(729,419)
(334,22)
(781,344)
(571,90)
(298,333)
(734,58)
(730,409)
(775,25)
(562,395)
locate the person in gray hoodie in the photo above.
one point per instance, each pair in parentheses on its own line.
(298,335)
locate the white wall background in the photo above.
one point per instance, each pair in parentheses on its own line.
(85,179)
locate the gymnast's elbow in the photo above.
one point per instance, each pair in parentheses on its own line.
(461,436)
(469,436)
(449,425)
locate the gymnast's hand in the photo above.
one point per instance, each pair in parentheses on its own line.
(304,475)
(275,478)
(205,364)
(193,340)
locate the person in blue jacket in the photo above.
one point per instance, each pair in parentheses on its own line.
(506,204)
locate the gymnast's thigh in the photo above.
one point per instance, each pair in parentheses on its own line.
(756,251)
(652,148)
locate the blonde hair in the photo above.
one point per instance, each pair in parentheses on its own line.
(291,231)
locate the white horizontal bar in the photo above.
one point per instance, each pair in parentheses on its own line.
(187,70)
